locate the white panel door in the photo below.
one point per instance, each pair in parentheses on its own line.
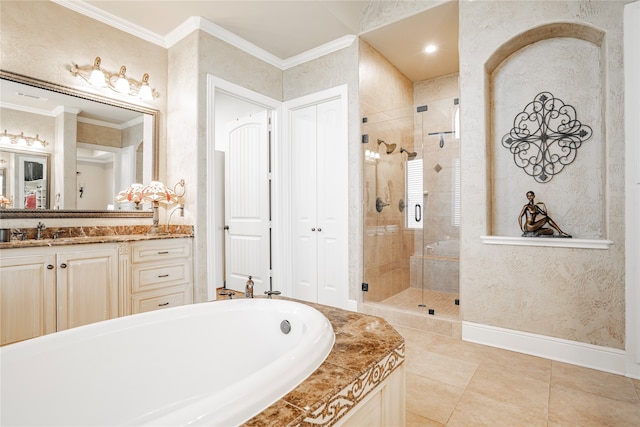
(332,204)
(303,131)
(319,203)
(247,242)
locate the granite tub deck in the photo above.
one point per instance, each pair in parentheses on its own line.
(366,351)
(86,235)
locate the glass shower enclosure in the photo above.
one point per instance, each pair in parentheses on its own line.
(411,165)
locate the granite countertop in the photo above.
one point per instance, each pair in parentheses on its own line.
(367,349)
(86,235)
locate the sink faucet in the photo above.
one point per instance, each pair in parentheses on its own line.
(40,227)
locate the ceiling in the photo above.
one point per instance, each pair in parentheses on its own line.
(289,28)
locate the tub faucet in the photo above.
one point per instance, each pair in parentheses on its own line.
(270,292)
(40,227)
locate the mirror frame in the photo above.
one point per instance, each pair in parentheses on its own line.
(62,213)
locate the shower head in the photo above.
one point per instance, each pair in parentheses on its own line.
(410,154)
(390,147)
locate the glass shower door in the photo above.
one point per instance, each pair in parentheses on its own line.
(439,246)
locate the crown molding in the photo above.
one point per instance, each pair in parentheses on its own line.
(199,23)
(25,109)
(112,20)
(317,52)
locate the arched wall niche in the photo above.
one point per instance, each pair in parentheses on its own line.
(567,60)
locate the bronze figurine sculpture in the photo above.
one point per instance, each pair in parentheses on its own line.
(536,218)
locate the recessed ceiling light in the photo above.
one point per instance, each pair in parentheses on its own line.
(430,48)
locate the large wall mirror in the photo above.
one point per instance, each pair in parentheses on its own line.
(67,153)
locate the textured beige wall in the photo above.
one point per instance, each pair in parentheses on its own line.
(574,294)
(575,197)
(99,135)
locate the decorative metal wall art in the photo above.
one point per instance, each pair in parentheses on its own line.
(545,137)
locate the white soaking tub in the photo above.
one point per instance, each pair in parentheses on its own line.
(215,364)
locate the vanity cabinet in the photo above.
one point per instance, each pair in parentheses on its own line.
(161,274)
(49,289)
(86,284)
(27,296)
(44,289)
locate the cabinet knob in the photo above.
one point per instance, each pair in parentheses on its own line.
(49,267)
(313,229)
(63,265)
(319,229)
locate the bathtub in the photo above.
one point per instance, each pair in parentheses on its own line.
(217,363)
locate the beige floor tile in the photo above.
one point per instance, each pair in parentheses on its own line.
(509,385)
(592,381)
(571,407)
(431,399)
(415,420)
(476,410)
(447,370)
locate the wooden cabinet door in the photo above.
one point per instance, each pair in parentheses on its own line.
(87,285)
(27,297)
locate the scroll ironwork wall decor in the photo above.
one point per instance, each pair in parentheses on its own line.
(545,137)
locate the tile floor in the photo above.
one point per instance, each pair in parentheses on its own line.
(454,383)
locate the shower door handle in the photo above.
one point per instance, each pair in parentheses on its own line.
(418,213)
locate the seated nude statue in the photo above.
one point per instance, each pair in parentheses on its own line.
(536,218)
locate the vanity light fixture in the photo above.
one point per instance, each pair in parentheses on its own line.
(8,138)
(118,82)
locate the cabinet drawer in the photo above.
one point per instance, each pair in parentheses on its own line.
(147,277)
(160,250)
(148,301)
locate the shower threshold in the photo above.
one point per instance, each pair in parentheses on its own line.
(403,309)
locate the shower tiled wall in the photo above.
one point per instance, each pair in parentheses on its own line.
(387,104)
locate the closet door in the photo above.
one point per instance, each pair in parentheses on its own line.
(304,193)
(332,204)
(319,203)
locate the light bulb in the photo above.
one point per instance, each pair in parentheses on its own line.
(145,93)
(97,78)
(122,84)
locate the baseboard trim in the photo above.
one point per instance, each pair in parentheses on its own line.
(352,305)
(576,353)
